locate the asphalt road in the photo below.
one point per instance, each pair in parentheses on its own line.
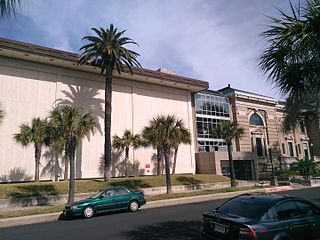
(176,222)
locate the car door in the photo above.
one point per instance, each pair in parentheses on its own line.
(292,221)
(312,216)
(106,201)
(122,198)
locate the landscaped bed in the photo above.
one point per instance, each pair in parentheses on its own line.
(17,190)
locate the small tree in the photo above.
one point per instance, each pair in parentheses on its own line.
(229,131)
(306,167)
(35,134)
(125,142)
(73,126)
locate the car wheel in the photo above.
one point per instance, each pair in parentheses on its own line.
(133,206)
(88,212)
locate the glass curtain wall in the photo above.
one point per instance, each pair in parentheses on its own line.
(211,109)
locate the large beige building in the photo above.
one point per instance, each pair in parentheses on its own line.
(34,79)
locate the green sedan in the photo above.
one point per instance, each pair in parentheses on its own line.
(105,200)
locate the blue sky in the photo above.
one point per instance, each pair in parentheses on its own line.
(213,40)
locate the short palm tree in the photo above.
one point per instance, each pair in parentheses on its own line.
(306,167)
(73,126)
(229,131)
(166,131)
(152,137)
(107,51)
(8,7)
(182,136)
(292,57)
(35,134)
(125,142)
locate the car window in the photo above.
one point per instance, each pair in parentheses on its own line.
(307,209)
(287,210)
(121,192)
(245,207)
(109,193)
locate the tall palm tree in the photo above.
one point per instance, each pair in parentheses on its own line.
(74,126)
(182,136)
(35,134)
(107,51)
(125,142)
(2,114)
(292,56)
(152,137)
(8,7)
(229,131)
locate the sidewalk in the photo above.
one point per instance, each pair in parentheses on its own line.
(10,222)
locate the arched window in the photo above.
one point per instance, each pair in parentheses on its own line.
(256,120)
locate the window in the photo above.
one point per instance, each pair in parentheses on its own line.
(302,127)
(121,192)
(212,105)
(256,120)
(290,145)
(288,210)
(307,209)
(259,147)
(283,148)
(299,149)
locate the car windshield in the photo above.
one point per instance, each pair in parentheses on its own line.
(247,207)
(96,194)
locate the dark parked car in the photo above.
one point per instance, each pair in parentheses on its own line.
(263,216)
(105,200)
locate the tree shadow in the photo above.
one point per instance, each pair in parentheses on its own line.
(135,184)
(182,230)
(118,166)
(188,180)
(53,167)
(32,195)
(86,98)
(15,175)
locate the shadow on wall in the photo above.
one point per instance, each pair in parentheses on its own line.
(16,175)
(118,166)
(52,167)
(171,230)
(32,195)
(86,98)
(154,161)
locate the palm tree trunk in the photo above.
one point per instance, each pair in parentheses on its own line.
(107,123)
(66,167)
(166,149)
(232,175)
(175,161)
(126,161)
(72,173)
(37,156)
(159,158)
(56,165)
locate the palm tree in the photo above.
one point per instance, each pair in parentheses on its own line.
(182,136)
(152,137)
(107,51)
(229,131)
(165,130)
(292,57)
(125,142)
(73,126)
(8,7)
(2,114)
(306,167)
(35,134)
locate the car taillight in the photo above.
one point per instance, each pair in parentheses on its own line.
(142,196)
(247,232)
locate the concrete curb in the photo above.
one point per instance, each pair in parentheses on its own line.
(25,220)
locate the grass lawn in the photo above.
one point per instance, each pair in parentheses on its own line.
(59,208)
(16,190)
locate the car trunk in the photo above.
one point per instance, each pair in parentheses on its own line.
(224,227)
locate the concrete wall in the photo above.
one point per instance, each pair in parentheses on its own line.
(29,90)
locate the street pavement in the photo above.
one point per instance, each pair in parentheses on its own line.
(180,222)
